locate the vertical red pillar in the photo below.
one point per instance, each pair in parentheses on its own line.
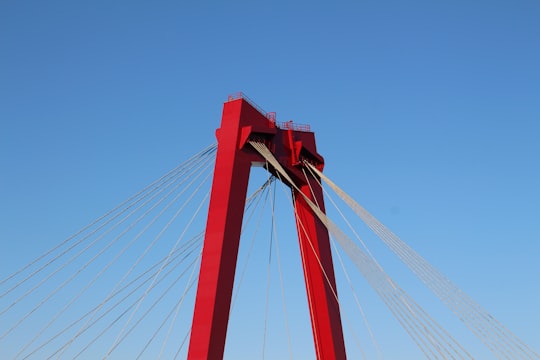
(319,275)
(220,250)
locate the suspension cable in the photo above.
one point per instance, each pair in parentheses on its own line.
(64,265)
(113,307)
(152,244)
(197,241)
(170,254)
(255,198)
(367,267)
(278,258)
(154,184)
(72,277)
(135,199)
(501,341)
(177,311)
(139,201)
(345,272)
(316,203)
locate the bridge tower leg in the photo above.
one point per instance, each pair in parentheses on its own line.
(241,122)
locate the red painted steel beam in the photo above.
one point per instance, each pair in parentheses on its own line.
(220,249)
(241,121)
(320,284)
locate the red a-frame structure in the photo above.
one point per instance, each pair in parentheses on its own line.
(242,122)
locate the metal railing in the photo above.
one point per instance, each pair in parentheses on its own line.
(287,125)
(240,95)
(290,125)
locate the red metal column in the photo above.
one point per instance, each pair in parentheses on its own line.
(221,240)
(319,276)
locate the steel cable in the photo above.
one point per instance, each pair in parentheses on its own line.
(363,262)
(110,263)
(133,200)
(79,271)
(479,321)
(155,188)
(95,321)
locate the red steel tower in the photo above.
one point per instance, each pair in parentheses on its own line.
(242,121)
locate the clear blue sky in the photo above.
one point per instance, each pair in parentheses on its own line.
(428,113)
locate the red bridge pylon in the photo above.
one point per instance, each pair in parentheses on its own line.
(242,122)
